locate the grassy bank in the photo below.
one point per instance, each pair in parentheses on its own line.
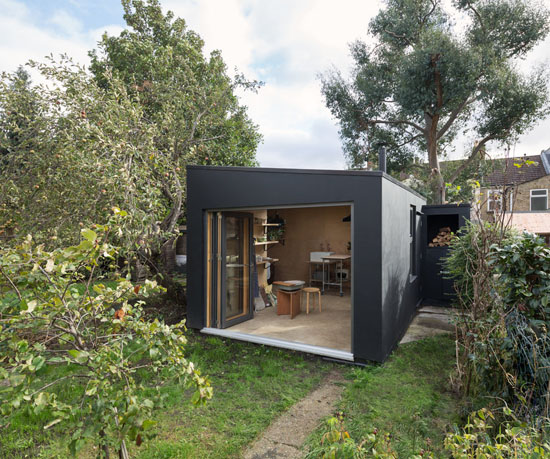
(407,396)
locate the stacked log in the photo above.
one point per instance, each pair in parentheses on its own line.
(443,238)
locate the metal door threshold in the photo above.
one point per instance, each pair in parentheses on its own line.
(292,345)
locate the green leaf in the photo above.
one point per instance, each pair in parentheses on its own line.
(28,306)
(92,388)
(80,356)
(73,353)
(41,400)
(154,352)
(38,362)
(53,423)
(148,424)
(16,379)
(89,235)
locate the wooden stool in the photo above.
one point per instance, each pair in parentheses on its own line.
(309,290)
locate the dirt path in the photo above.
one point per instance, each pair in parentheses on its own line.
(284,437)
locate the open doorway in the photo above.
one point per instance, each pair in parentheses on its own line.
(252,255)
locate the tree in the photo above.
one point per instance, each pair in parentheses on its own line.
(432,73)
(64,323)
(122,135)
(17,121)
(16,131)
(83,151)
(189,97)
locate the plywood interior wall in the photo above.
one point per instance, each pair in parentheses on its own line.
(260,216)
(311,229)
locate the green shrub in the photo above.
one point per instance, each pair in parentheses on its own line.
(480,439)
(502,282)
(62,326)
(468,263)
(523,265)
(336,443)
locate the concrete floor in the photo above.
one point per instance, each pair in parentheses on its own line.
(330,328)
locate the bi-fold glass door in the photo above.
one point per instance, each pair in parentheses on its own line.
(229,268)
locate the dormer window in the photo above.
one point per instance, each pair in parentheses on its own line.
(539,200)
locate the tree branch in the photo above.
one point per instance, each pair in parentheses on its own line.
(434,5)
(171,219)
(399,37)
(452,117)
(194,127)
(56,381)
(12,284)
(408,123)
(467,162)
(409,140)
(470,7)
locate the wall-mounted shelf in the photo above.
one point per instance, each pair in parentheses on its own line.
(266,243)
(271,224)
(273,260)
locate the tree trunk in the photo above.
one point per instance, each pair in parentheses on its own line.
(174,290)
(103,445)
(123,451)
(437,184)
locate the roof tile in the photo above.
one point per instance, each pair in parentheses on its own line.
(512,171)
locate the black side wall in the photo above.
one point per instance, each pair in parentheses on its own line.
(218,188)
(401,291)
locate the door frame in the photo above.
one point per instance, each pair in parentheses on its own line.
(217,299)
(213,326)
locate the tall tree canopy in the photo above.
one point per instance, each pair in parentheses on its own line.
(121,135)
(431,73)
(190,98)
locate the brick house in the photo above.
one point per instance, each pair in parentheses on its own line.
(519,187)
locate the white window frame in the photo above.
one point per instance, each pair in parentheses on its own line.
(509,192)
(490,200)
(545,195)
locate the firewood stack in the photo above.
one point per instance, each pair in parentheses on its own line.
(443,238)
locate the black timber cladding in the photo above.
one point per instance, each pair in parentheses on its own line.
(219,188)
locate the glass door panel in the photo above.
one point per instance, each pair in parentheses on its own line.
(236,268)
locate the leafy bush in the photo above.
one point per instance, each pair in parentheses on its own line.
(503,288)
(479,322)
(336,443)
(56,312)
(468,263)
(480,440)
(524,282)
(523,267)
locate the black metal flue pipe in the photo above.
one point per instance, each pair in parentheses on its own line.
(382,159)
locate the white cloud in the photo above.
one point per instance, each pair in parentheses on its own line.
(24,39)
(285,43)
(65,23)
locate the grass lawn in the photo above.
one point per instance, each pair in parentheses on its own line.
(407,396)
(252,385)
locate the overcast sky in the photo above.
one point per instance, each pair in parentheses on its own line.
(284,43)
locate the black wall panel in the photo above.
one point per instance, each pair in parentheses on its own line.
(219,188)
